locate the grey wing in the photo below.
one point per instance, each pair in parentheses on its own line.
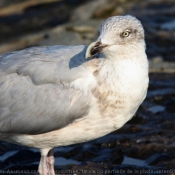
(35,96)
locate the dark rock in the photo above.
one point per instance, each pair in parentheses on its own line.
(74,152)
(149,135)
(157,158)
(86,155)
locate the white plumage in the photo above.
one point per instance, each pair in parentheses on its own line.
(73,99)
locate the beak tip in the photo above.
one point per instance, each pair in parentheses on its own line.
(87,55)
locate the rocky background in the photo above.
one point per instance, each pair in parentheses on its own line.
(146,144)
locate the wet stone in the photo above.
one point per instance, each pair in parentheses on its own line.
(145,143)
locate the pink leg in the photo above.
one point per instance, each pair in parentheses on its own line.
(43,169)
(50,162)
(46,166)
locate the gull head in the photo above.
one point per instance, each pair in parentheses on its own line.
(119,35)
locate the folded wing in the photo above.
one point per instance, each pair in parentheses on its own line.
(35,92)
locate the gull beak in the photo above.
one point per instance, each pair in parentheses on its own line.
(94,48)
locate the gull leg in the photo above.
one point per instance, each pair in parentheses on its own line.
(43,169)
(50,162)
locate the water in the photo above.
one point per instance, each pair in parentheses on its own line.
(168,25)
(133,161)
(7,155)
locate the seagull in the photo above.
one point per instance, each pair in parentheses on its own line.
(55,96)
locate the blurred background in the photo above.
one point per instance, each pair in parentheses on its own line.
(147,142)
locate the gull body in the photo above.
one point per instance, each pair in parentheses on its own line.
(63,95)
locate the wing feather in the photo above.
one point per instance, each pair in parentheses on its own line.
(35,96)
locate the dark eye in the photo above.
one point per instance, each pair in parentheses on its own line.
(126,33)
